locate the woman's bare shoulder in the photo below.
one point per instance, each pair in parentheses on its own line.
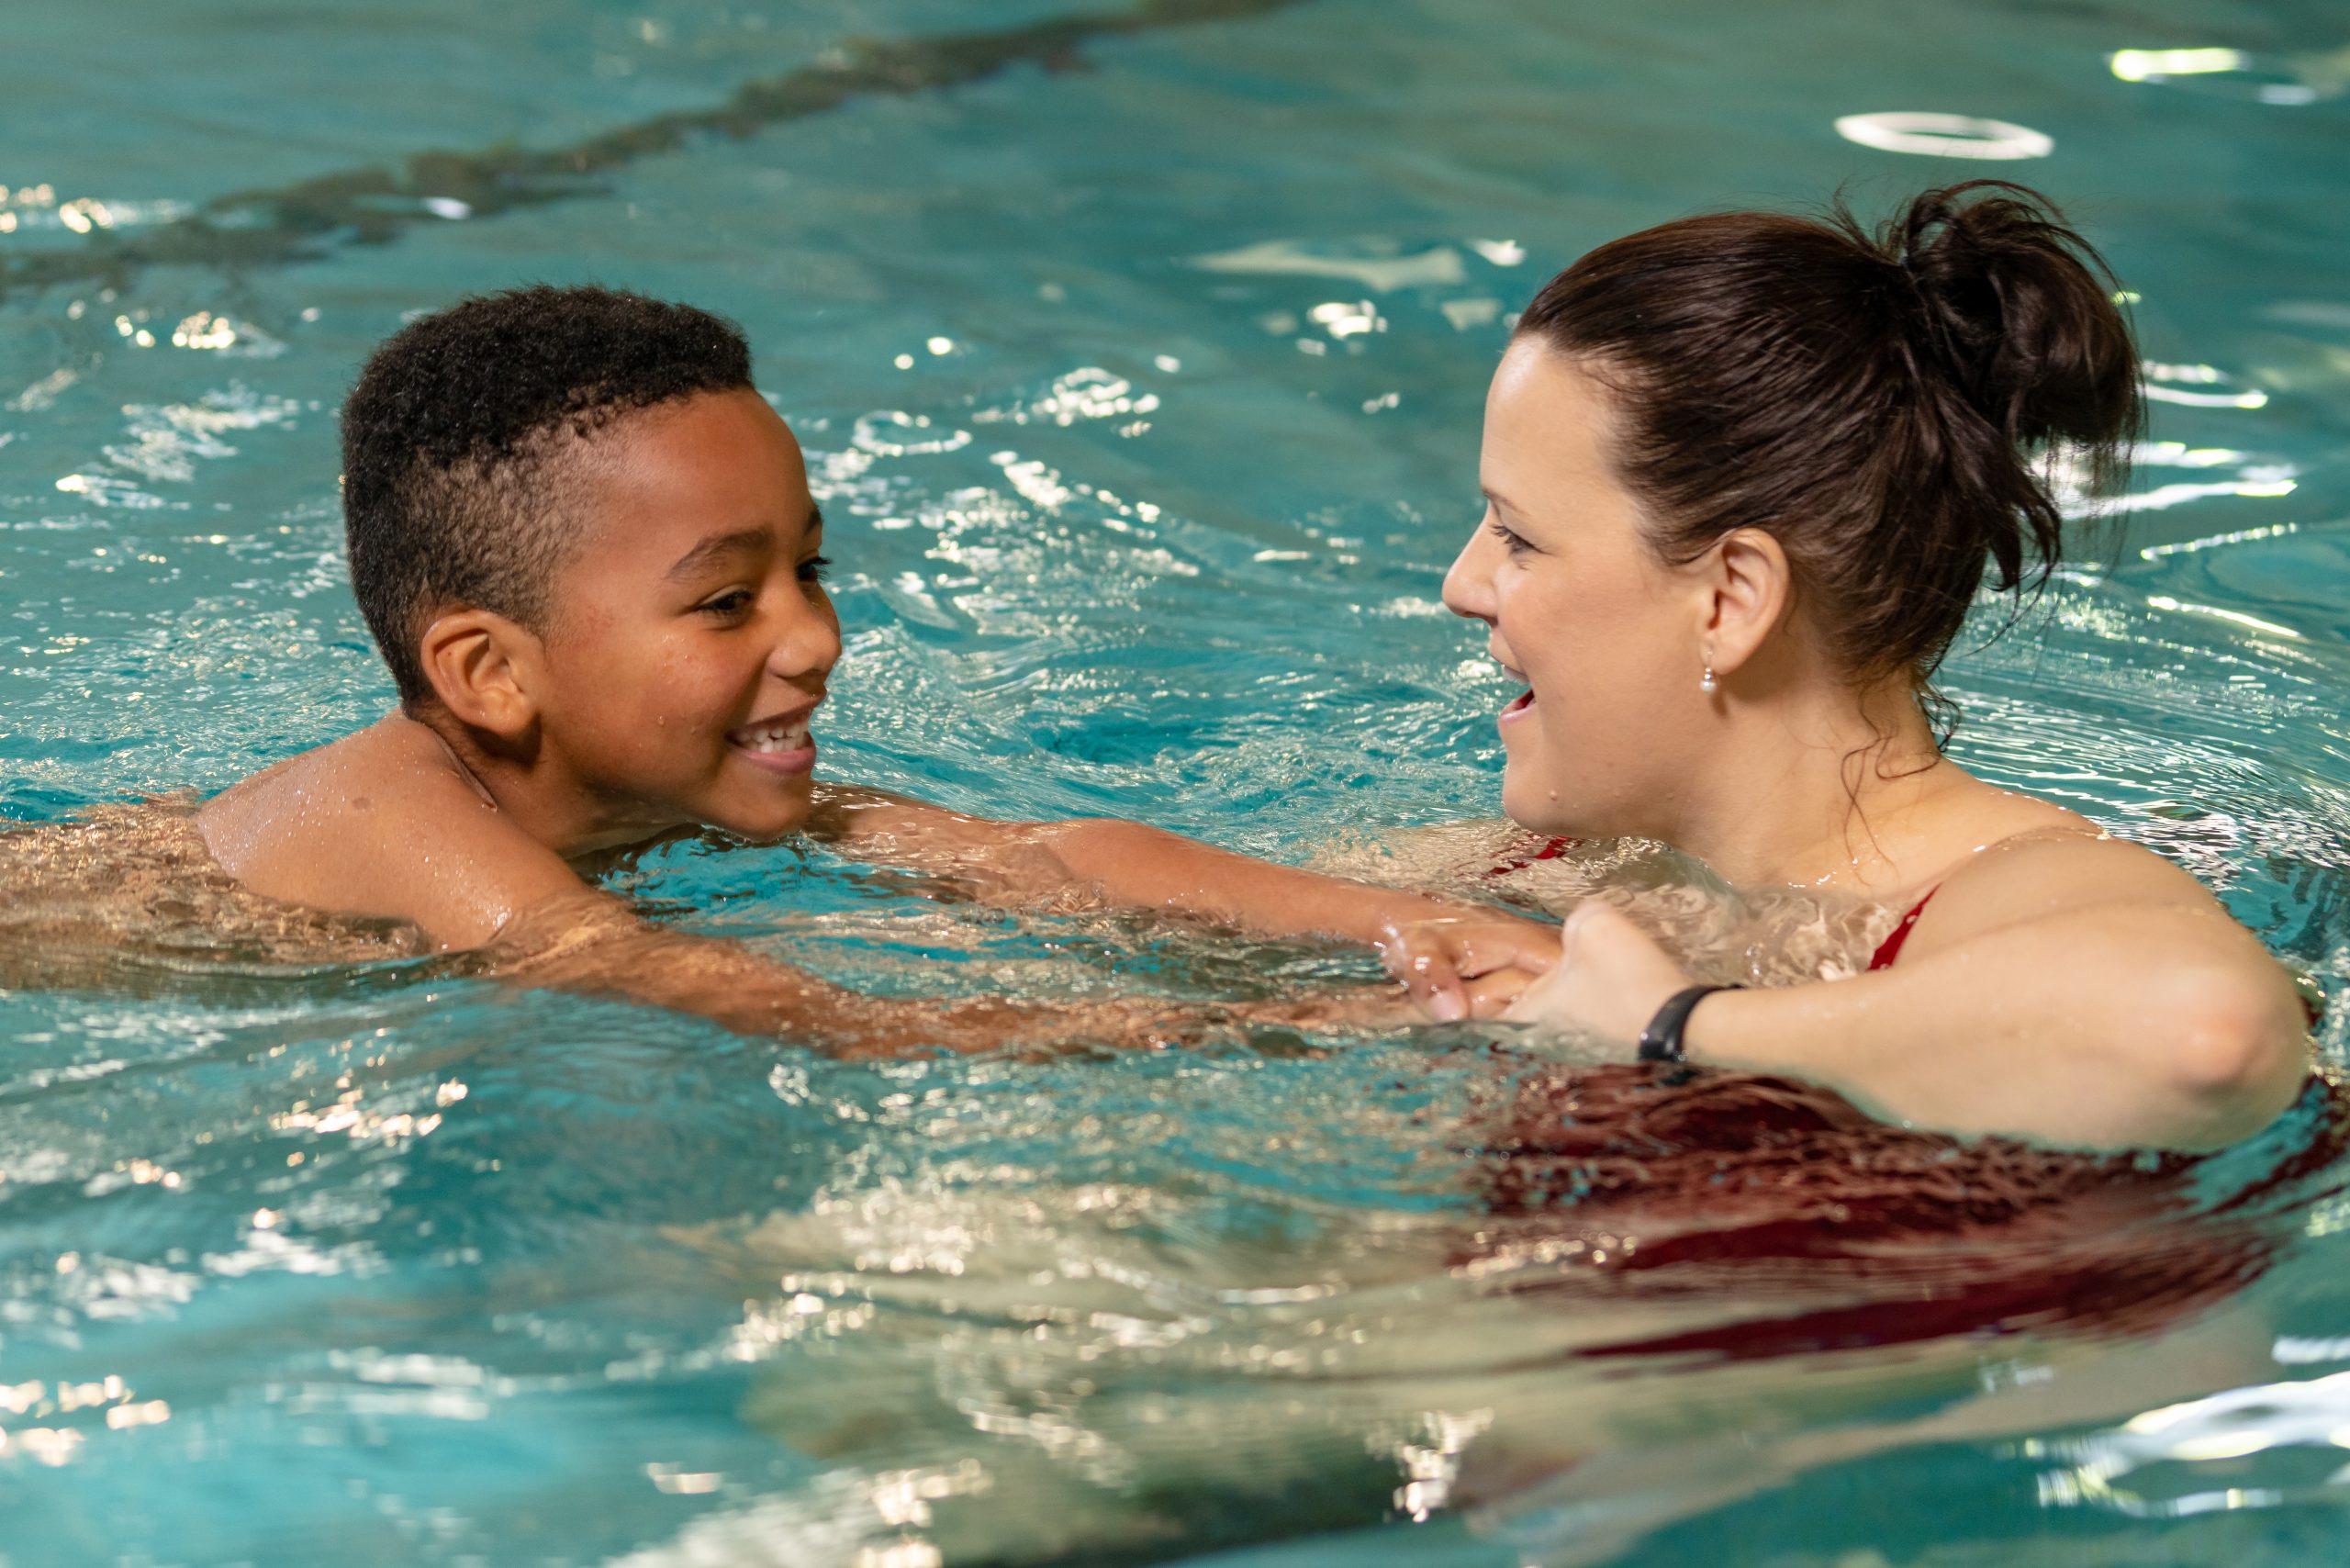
(2053,868)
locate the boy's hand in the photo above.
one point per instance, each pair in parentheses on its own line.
(1470,965)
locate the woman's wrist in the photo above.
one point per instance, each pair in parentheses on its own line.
(1662,1040)
(1722,1033)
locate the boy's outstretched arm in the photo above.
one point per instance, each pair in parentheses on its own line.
(385,823)
(589,941)
(420,843)
(1457,958)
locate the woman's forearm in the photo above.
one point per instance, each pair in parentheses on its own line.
(2112,1025)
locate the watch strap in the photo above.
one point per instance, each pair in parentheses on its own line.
(1660,1041)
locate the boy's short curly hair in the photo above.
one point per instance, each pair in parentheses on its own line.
(448,493)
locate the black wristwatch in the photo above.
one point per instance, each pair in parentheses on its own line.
(1660,1041)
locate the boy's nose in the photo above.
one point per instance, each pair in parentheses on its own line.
(807,644)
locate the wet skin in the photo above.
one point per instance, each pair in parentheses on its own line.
(690,615)
(669,689)
(2062,984)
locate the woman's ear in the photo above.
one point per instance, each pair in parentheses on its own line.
(484,668)
(1751,587)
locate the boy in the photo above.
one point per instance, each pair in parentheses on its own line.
(587,549)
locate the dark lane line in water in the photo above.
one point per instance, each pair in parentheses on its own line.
(310,221)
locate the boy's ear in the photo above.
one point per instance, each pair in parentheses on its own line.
(484,668)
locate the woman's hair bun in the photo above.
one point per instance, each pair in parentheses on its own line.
(1884,402)
(2020,311)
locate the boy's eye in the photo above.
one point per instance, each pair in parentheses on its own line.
(812,570)
(734,602)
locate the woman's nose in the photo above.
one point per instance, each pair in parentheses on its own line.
(1467,583)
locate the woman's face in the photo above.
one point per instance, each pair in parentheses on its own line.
(1606,638)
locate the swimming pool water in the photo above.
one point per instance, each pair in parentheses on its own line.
(1139,351)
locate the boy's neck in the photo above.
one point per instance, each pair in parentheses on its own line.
(529,786)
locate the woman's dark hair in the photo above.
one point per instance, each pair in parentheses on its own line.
(1885,404)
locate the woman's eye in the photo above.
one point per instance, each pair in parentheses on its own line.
(1509,537)
(812,570)
(732,603)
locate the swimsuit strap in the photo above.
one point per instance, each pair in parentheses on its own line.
(1549,851)
(1890,949)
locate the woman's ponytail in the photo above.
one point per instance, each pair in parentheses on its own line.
(2021,313)
(1885,403)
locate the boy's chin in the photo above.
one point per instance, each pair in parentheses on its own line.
(784,812)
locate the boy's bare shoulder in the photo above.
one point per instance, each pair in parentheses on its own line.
(383,822)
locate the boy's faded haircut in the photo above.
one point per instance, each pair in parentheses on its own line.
(449,496)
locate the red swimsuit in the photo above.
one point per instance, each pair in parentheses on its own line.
(1890,949)
(1549,851)
(1887,951)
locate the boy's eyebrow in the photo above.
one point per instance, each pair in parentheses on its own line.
(718,546)
(742,542)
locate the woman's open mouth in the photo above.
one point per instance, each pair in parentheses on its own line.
(1523,703)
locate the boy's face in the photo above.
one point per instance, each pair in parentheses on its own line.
(691,637)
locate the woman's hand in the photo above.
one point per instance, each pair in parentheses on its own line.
(1470,965)
(1610,977)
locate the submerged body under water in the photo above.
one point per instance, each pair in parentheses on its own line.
(129,896)
(1027,1366)
(1138,352)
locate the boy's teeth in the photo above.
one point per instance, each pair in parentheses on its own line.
(790,738)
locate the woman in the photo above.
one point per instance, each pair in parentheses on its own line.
(1744,475)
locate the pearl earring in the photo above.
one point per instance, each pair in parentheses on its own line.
(1709,684)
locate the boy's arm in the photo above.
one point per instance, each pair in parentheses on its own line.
(589,941)
(1441,948)
(453,864)
(385,823)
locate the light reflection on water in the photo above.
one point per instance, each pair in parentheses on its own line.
(1150,472)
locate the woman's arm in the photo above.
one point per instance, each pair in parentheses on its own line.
(2081,991)
(1457,958)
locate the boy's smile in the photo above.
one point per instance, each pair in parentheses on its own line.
(779,741)
(690,637)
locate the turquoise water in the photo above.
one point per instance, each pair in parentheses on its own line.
(1139,359)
